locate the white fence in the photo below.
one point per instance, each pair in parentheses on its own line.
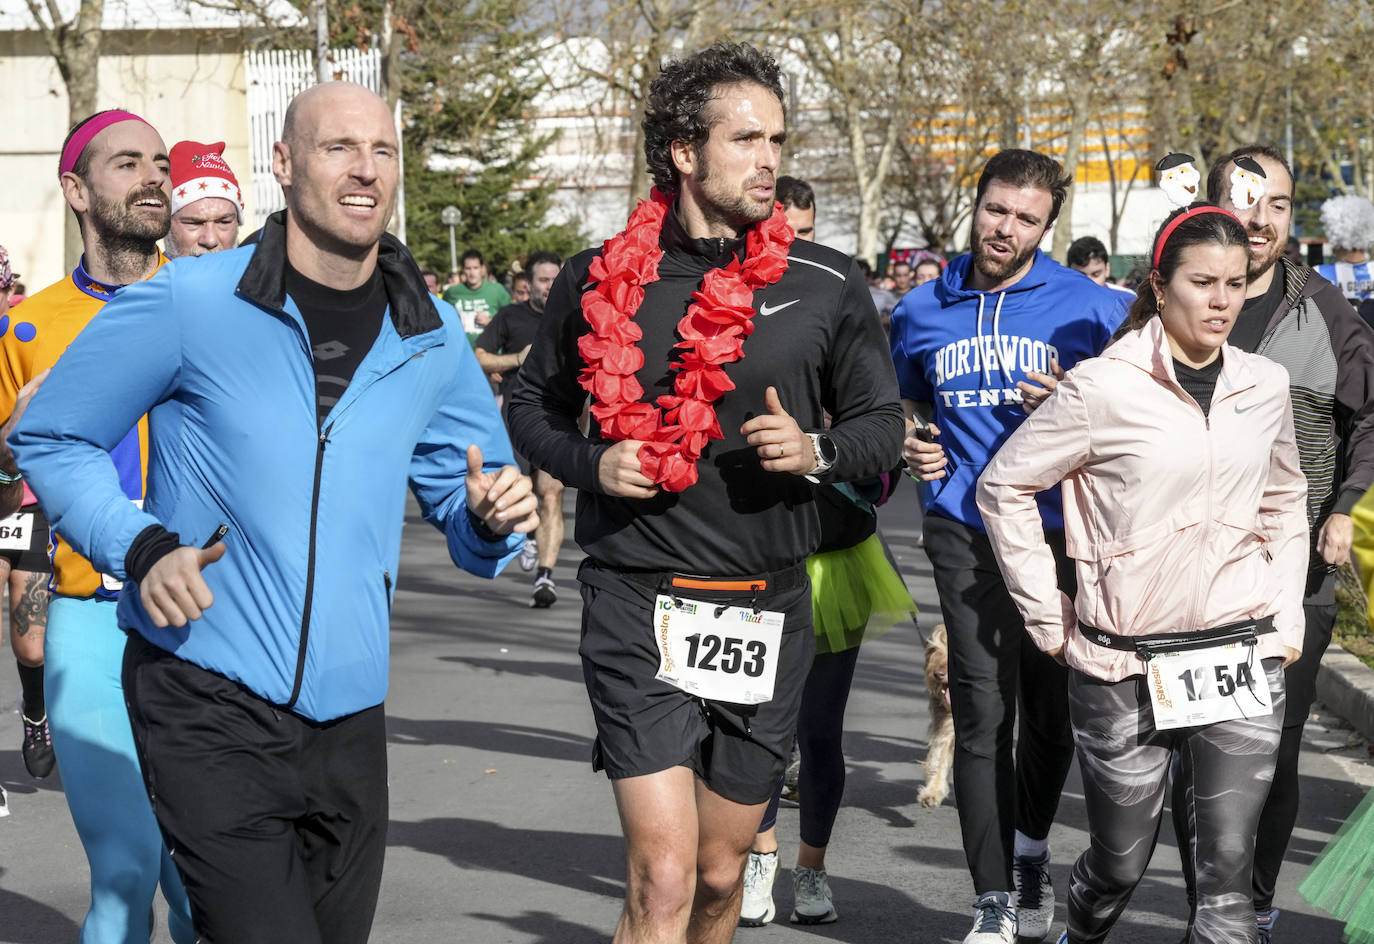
(275,76)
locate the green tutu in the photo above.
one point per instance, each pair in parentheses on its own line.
(1339,881)
(855,595)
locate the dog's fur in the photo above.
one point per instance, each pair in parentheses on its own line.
(940,753)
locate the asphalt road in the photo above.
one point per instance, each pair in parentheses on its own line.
(500,832)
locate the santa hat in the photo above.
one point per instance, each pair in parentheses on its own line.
(199,171)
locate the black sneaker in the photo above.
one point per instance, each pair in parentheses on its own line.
(38,755)
(545,592)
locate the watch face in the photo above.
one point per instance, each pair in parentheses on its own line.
(827,448)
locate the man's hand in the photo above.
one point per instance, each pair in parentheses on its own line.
(1335,538)
(173,591)
(925,460)
(503,499)
(620,473)
(1031,395)
(1057,654)
(1291,655)
(781,444)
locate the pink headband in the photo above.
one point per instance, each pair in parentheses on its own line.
(1173,225)
(83,135)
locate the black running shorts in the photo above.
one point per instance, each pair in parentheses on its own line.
(24,540)
(645,725)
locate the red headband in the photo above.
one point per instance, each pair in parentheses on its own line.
(1188,215)
(83,135)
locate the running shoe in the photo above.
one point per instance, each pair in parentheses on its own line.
(545,592)
(756,909)
(1266,921)
(994,920)
(529,555)
(4,803)
(811,890)
(1034,896)
(38,755)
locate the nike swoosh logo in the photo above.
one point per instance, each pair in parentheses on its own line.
(765,310)
(1244,409)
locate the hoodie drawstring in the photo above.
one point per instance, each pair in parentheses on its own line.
(996,340)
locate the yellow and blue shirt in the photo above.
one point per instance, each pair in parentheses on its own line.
(32,337)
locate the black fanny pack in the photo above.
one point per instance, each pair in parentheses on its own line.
(1147,647)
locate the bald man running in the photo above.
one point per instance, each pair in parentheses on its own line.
(316,360)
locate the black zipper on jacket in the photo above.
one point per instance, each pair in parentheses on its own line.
(309,568)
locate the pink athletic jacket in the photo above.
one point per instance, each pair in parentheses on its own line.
(1177,522)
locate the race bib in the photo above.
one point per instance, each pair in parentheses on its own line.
(16,532)
(720,653)
(1203,686)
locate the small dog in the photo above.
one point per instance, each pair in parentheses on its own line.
(940,753)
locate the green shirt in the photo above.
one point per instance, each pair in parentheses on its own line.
(485,300)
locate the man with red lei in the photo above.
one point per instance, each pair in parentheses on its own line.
(711,346)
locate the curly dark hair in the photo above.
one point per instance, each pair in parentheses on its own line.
(677,109)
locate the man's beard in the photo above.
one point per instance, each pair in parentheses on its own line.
(995,270)
(120,227)
(735,209)
(1256,266)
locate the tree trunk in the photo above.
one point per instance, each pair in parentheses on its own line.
(78,60)
(1063,230)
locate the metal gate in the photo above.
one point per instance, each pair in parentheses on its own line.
(274,77)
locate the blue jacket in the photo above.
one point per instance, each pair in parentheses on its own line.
(217,355)
(940,332)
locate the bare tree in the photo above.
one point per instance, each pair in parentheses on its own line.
(75,48)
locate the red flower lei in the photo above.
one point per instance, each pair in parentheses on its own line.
(676,431)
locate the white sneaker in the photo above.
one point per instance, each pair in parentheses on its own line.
(757,908)
(994,920)
(1034,896)
(811,891)
(529,555)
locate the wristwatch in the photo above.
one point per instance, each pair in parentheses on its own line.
(826,454)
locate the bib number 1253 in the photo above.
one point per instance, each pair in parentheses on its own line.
(726,654)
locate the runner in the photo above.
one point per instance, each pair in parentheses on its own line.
(1295,317)
(1348,221)
(501,348)
(1184,510)
(476,298)
(975,350)
(261,727)
(207,207)
(113,173)
(25,569)
(855,594)
(697,515)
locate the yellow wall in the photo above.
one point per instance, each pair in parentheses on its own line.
(188,84)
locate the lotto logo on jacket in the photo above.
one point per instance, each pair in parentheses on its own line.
(964,352)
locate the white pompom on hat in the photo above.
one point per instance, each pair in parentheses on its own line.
(199,171)
(1349,222)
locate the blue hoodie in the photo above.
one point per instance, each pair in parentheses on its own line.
(938,331)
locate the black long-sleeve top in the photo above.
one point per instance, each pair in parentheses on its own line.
(817,339)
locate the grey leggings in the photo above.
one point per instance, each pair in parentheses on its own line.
(1125,766)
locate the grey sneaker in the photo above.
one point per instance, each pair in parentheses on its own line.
(529,555)
(756,909)
(1034,896)
(1266,921)
(811,890)
(994,920)
(4,803)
